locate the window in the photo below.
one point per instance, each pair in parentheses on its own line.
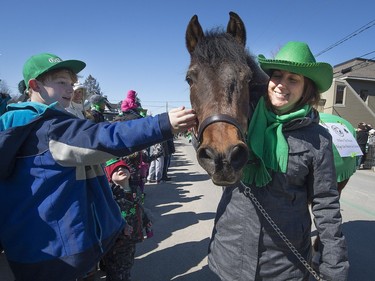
(340,94)
(363,94)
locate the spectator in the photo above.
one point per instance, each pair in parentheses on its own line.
(130,102)
(137,161)
(371,137)
(155,171)
(169,149)
(97,108)
(4,99)
(362,138)
(76,105)
(120,258)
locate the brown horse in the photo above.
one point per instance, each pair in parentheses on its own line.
(222,76)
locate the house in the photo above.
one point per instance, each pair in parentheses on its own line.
(352,93)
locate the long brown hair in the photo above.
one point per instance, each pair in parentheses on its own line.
(310,96)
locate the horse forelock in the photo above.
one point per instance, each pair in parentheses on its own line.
(218,46)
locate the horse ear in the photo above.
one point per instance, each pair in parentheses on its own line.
(237,28)
(194,33)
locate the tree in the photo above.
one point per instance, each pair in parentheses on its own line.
(92,86)
(4,89)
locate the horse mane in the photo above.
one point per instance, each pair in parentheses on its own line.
(216,46)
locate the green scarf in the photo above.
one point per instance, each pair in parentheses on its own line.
(268,146)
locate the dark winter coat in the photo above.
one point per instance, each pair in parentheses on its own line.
(244,247)
(131,207)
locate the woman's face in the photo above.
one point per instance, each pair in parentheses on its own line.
(78,96)
(285,89)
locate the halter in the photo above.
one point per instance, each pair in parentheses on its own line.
(197,138)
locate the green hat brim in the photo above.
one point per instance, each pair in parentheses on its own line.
(320,73)
(74,65)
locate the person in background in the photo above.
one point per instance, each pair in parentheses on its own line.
(24,92)
(371,137)
(290,166)
(76,105)
(155,170)
(169,149)
(4,99)
(362,138)
(57,213)
(130,102)
(97,108)
(138,161)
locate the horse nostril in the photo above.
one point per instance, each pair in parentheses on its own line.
(207,159)
(238,156)
(206,153)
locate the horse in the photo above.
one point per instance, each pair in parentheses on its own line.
(224,79)
(222,76)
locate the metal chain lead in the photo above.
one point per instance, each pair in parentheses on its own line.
(249,194)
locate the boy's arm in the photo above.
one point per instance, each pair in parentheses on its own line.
(76,142)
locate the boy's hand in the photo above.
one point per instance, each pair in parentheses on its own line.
(181,119)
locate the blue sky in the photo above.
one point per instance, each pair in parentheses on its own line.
(140,44)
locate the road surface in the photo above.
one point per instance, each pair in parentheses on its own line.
(183,211)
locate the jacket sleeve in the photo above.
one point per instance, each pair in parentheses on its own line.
(81,142)
(327,216)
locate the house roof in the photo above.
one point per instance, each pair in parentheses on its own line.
(357,68)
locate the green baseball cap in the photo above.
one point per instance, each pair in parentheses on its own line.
(42,63)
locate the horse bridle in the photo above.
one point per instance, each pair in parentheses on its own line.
(197,138)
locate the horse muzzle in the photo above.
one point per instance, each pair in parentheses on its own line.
(225,166)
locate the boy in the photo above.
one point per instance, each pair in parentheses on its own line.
(57,214)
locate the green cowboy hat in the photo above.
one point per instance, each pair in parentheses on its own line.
(296,57)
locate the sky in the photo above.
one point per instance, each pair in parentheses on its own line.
(140,44)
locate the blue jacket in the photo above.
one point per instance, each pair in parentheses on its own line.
(57,213)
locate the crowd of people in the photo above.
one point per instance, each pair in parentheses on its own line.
(81,180)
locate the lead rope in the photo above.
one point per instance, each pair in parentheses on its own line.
(249,194)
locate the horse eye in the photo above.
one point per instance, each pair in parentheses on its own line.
(189,80)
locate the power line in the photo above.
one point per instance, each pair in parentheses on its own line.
(351,35)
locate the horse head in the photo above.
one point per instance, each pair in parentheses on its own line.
(221,76)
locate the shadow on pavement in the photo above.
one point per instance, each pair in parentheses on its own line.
(167,256)
(360,239)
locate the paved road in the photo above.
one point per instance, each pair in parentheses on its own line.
(183,211)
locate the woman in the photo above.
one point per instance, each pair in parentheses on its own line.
(76,106)
(290,166)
